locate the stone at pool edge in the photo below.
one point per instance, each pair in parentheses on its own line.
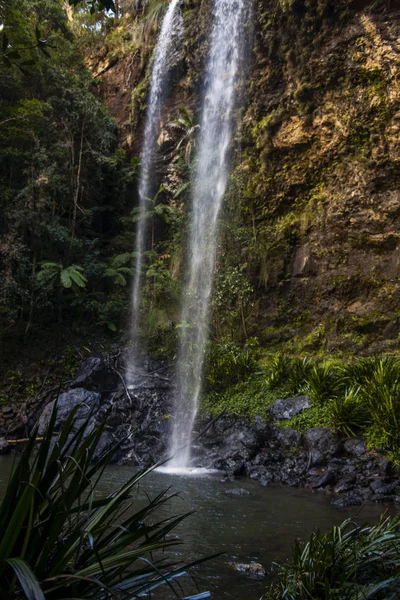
(287,408)
(252,569)
(237,492)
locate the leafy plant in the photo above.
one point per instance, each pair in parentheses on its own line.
(187,128)
(381,394)
(56,274)
(278,370)
(297,374)
(347,412)
(322,383)
(350,562)
(61,539)
(117,269)
(229,363)
(359,371)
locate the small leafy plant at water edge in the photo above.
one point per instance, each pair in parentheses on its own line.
(61,539)
(350,562)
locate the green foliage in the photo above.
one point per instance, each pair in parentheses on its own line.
(381,395)
(349,562)
(278,370)
(245,399)
(62,539)
(347,413)
(62,185)
(117,269)
(298,374)
(315,416)
(231,301)
(96,5)
(56,275)
(322,383)
(187,129)
(228,363)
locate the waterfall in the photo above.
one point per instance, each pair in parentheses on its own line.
(208,191)
(171,28)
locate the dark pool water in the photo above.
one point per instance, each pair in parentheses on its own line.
(261,526)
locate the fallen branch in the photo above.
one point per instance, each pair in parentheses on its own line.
(24,440)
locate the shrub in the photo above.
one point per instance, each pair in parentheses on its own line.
(359,371)
(61,539)
(278,370)
(350,562)
(322,383)
(347,413)
(298,372)
(381,394)
(228,364)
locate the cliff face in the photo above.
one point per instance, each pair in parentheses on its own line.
(310,248)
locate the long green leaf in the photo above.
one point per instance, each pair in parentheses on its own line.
(27,579)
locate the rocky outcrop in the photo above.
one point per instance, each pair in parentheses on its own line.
(137,423)
(136,418)
(318,459)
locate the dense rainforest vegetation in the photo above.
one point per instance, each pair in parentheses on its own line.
(62,182)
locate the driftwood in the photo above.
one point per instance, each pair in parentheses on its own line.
(23,440)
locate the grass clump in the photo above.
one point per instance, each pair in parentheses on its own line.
(347,413)
(350,562)
(322,383)
(229,363)
(61,539)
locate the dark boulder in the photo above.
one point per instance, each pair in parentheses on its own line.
(95,374)
(288,408)
(289,438)
(88,404)
(329,477)
(5,447)
(355,447)
(322,445)
(350,499)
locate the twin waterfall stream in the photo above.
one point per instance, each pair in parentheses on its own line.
(208,189)
(171,30)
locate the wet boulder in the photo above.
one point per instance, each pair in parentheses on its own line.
(88,404)
(95,374)
(253,569)
(355,447)
(322,445)
(288,408)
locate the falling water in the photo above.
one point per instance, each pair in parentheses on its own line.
(171,28)
(209,189)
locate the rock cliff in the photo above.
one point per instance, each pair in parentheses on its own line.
(310,223)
